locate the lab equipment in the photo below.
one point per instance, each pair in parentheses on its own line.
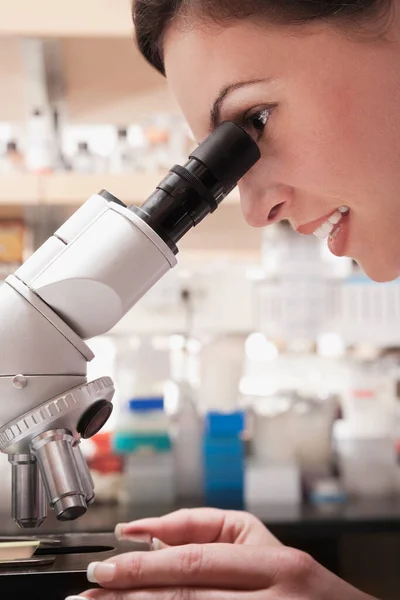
(12,160)
(367,461)
(122,159)
(41,144)
(224,460)
(143,422)
(221,370)
(150,479)
(143,435)
(58,571)
(84,161)
(17,550)
(144,425)
(187,445)
(78,285)
(265,484)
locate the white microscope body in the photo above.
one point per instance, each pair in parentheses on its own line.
(78,285)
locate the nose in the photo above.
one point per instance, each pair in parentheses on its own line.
(264,203)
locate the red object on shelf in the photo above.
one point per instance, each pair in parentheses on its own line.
(103,459)
(363,393)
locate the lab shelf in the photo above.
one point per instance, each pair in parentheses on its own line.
(72,189)
(20,189)
(44,18)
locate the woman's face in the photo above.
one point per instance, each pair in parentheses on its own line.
(325,109)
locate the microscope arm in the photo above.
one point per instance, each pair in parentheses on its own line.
(78,285)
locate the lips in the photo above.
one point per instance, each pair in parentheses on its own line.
(309,228)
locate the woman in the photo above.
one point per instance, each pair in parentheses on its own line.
(317,83)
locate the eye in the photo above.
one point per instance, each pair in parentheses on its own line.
(255,122)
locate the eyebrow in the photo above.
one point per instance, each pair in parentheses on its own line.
(215,112)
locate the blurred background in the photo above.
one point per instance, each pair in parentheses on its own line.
(261,373)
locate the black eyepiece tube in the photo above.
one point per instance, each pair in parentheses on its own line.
(229,153)
(189,193)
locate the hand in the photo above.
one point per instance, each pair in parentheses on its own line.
(215,555)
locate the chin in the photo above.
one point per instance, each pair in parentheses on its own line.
(381,273)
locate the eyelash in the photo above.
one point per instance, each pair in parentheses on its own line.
(248,121)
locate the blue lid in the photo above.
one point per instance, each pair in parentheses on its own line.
(223,424)
(146,404)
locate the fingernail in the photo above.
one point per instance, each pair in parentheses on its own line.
(139,538)
(99,572)
(119,530)
(75,598)
(157,544)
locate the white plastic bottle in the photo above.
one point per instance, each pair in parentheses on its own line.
(142,434)
(187,446)
(41,147)
(222,361)
(12,160)
(83,161)
(122,159)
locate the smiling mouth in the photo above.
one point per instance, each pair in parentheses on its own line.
(322,229)
(331,226)
(324,226)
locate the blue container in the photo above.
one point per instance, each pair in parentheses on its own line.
(228,499)
(224,460)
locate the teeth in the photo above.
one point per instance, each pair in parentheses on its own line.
(326,228)
(324,231)
(335,233)
(335,218)
(320,234)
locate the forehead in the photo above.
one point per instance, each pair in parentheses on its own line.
(201,60)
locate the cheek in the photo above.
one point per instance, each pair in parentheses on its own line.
(342,145)
(320,149)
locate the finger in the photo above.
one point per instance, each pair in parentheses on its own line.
(185,526)
(224,566)
(92,594)
(200,526)
(173,594)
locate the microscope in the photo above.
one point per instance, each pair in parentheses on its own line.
(78,285)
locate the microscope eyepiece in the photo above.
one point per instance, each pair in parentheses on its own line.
(228,153)
(189,193)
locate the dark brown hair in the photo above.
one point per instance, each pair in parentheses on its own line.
(153,17)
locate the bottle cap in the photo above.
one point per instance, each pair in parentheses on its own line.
(146,404)
(225,424)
